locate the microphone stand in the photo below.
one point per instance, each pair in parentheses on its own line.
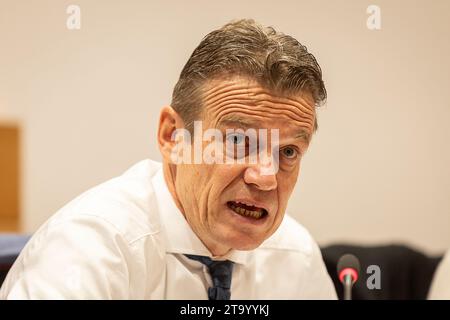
(348,284)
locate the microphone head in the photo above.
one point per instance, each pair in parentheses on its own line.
(348,264)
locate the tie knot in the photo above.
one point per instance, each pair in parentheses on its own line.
(220,272)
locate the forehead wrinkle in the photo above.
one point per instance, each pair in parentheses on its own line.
(272,103)
(227,87)
(243,95)
(263,95)
(263,110)
(217,91)
(222,114)
(231,102)
(288,109)
(238,96)
(227,94)
(252,92)
(253,88)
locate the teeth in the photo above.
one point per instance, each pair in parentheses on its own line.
(256,214)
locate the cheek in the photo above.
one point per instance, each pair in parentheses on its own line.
(213,179)
(225,175)
(286,184)
(182,176)
(224,184)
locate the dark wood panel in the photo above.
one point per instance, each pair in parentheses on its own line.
(9,177)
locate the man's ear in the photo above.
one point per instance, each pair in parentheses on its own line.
(169,121)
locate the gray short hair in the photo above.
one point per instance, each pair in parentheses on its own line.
(243,47)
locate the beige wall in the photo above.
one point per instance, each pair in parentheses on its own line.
(88,100)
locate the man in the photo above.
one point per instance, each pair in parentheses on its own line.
(193,228)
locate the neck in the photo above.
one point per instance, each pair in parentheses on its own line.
(170,172)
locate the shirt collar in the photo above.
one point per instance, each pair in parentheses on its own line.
(179,236)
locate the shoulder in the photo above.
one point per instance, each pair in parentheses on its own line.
(107,237)
(126,203)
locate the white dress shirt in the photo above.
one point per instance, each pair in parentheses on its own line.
(126,239)
(440,286)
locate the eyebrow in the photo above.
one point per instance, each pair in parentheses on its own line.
(305,135)
(238,121)
(246,124)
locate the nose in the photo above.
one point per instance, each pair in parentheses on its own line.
(262,180)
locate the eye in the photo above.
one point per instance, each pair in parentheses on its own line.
(289,152)
(235,138)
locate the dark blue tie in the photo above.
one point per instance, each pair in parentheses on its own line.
(220,272)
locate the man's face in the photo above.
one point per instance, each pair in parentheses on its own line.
(214,197)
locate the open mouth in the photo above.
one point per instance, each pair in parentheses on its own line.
(247,210)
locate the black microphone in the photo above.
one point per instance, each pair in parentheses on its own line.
(348,271)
